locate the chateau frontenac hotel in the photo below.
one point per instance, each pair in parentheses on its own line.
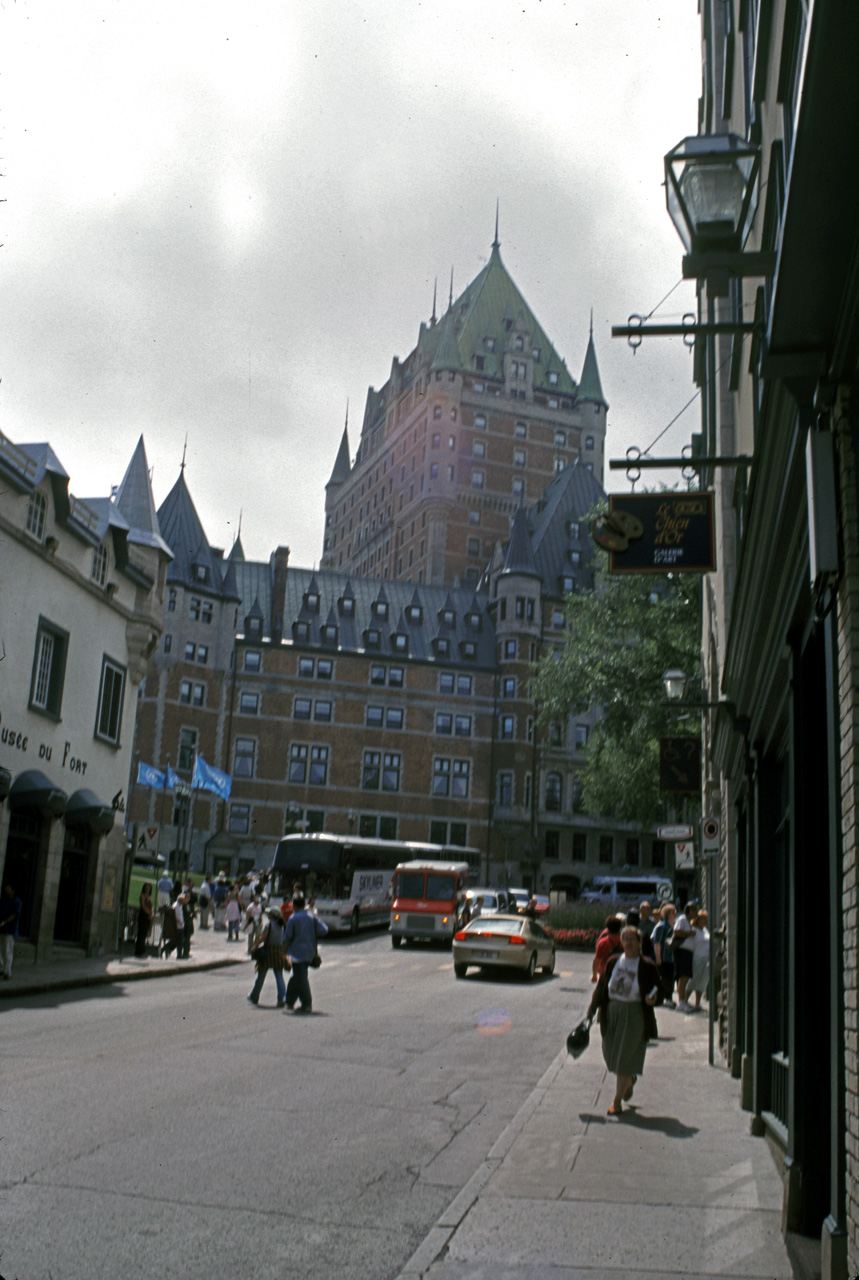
(387,693)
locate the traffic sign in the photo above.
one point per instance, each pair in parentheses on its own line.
(678,832)
(710,832)
(684,855)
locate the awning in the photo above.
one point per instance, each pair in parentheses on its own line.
(84,809)
(32,790)
(5,783)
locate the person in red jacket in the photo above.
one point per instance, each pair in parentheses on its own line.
(608,945)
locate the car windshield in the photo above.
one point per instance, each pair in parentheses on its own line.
(498,925)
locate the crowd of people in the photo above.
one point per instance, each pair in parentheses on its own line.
(637,962)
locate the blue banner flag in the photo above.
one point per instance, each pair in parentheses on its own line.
(149,776)
(172,778)
(208,778)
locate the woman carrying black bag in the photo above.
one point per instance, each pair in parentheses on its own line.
(269,955)
(623,1004)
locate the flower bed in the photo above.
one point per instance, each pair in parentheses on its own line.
(574,939)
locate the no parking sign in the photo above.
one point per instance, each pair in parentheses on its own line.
(711,830)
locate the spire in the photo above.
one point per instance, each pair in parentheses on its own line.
(590,386)
(433,317)
(135,503)
(342,466)
(450,299)
(520,556)
(496,243)
(184,451)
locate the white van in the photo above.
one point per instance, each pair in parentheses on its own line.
(628,891)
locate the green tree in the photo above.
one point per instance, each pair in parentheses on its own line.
(619,639)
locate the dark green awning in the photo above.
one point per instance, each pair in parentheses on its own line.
(32,790)
(84,809)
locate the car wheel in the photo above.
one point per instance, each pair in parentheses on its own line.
(356,921)
(549,969)
(532,966)
(460,970)
(396,939)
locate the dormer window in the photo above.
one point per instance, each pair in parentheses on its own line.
(575,558)
(302,631)
(519,344)
(253,626)
(535,354)
(468,649)
(347,606)
(380,608)
(489,344)
(372,638)
(36,510)
(414,613)
(329,634)
(201,573)
(480,421)
(573,528)
(448,617)
(399,642)
(441,647)
(553,379)
(99,566)
(311,601)
(473,620)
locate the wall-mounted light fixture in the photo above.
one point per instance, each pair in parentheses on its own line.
(712,184)
(676,684)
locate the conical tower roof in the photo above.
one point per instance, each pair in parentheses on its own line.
(186,537)
(590,387)
(520,556)
(342,466)
(135,502)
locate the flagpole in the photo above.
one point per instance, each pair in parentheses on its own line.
(189,826)
(161,817)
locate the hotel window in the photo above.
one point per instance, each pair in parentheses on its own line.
(464,685)
(194,609)
(606,850)
(521,431)
(505,789)
(249,704)
(168,642)
(478,448)
(443,722)
(553,379)
(305,668)
(99,566)
(441,776)
(461,775)
(253,660)
(474,546)
(553,792)
(324,669)
(109,718)
(171,600)
(301,709)
(480,421)
(558,619)
(518,488)
(298,762)
(553,845)
(399,642)
(202,654)
(190,650)
(36,510)
(243,759)
(633,852)
(240,819)
(49,669)
(509,649)
(473,516)
(581,735)
(589,442)
(187,748)
(322,711)
(507,727)
(508,687)
(377,674)
(560,439)
(462,726)
(207,612)
(434,471)
(318,766)
(478,479)
(519,457)
(375,717)
(185,690)
(394,718)
(580,847)
(446,682)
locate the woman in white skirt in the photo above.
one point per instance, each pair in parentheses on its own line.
(623,1003)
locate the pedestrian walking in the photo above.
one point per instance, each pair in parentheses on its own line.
(10,915)
(683,942)
(205,900)
(700,980)
(219,901)
(663,952)
(623,1004)
(302,932)
(165,891)
(270,957)
(145,913)
(233,914)
(608,945)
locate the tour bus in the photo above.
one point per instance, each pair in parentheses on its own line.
(348,877)
(428,898)
(628,891)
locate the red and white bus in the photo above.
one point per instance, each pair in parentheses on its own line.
(428,900)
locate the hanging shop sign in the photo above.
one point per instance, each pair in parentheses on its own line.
(658,533)
(680,764)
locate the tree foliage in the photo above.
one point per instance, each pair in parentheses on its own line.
(619,639)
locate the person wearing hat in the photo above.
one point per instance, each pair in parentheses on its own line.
(269,953)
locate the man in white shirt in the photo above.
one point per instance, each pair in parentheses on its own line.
(683,940)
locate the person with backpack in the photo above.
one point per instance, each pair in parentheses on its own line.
(270,957)
(663,952)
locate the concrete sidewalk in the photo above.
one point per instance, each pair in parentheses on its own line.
(68,969)
(675,1187)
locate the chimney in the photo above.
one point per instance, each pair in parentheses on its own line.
(280,560)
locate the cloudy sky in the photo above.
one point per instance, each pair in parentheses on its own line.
(223,220)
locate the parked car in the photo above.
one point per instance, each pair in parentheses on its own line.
(496,902)
(503,942)
(539,903)
(521,898)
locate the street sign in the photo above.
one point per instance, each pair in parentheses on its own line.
(679,764)
(684,856)
(710,832)
(678,832)
(147,839)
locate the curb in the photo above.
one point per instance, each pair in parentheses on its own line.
(105,979)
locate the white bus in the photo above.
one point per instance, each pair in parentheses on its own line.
(349,877)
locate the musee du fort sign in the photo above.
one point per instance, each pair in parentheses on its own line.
(658,533)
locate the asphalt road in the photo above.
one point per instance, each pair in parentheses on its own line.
(170,1129)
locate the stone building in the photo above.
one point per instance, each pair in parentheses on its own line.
(81,602)
(374,706)
(780,640)
(476,420)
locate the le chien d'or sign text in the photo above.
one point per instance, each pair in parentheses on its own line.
(666,532)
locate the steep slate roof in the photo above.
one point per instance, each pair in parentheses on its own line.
(571,495)
(590,387)
(184,534)
(519,557)
(342,465)
(136,504)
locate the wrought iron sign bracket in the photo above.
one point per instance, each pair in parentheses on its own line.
(689,329)
(634,463)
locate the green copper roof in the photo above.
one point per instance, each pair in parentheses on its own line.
(590,387)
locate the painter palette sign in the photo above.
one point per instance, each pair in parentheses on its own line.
(658,533)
